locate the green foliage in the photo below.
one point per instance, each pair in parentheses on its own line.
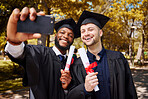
(10,76)
(2,41)
(123,14)
(6,8)
(11,84)
(9,70)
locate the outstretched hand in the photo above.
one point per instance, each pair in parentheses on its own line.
(12,34)
(65,78)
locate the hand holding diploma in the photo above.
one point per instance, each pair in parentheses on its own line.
(65,78)
(91,80)
(65,74)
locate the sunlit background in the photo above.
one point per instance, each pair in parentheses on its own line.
(127,32)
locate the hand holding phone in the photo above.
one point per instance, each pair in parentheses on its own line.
(19,28)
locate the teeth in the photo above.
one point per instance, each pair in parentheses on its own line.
(64,41)
(87,38)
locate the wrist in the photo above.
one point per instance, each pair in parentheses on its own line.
(12,42)
(87,88)
(87,92)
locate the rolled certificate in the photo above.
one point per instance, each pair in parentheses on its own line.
(85,61)
(68,62)
(84,57)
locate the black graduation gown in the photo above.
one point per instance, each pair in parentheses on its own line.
(122,86)
(42,71)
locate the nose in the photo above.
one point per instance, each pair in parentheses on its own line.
(86,33)
(65,35)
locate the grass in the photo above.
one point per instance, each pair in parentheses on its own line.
(11,84)
(10,76)
(5,63)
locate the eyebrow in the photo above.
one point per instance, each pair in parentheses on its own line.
(87,28)
(65,31)
(62,30)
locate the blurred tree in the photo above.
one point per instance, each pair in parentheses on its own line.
(2,41)
(143,10)
(122,15)
(59,8)
(6,8)
(126,14)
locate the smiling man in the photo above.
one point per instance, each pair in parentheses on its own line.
(42,64)
(112,74)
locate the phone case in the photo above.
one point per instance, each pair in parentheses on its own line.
(42,24)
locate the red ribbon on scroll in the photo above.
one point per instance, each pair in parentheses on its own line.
(89,68)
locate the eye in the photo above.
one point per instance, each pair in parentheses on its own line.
(70,35)
(82,31)
(62,32)
(90,29)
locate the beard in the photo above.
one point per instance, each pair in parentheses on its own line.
(61,47)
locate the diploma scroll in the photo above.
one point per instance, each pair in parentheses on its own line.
(85,61)
(68,62)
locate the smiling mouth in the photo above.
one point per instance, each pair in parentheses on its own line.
(87,39)
(64,41)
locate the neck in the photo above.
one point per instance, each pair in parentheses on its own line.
(95,49)
(63,52)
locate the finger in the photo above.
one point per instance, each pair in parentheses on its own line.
(66,78)
(15,15)
(66,75)
(41,13)
(92,74)
(63,80)
(33,14)
(66,81)
(67,71)
(12,23)
(93,81)
(62,71)
(93,77)
(94,84)
(34,36)
(24,13)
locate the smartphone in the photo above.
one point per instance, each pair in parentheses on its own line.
(42,24)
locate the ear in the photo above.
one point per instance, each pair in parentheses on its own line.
(101,33)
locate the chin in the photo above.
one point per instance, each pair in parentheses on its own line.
(63,45)
(88,43)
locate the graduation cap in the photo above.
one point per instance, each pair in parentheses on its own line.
(90,17)
(68,23)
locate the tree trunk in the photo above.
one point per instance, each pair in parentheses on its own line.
(130,52)
(143,39)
